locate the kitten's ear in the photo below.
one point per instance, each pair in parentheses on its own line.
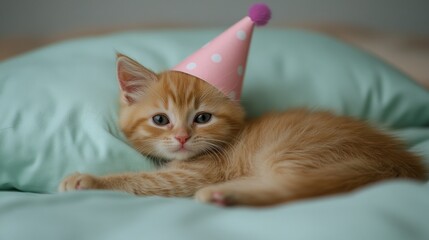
(133,78)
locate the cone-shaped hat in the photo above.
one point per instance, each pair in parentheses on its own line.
(222,61)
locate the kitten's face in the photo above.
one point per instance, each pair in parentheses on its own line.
(172,115)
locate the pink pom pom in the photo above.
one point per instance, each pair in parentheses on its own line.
(260,13)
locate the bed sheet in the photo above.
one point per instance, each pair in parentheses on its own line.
(391,210)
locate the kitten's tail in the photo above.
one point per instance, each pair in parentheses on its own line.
(347,176)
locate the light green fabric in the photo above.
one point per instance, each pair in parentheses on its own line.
(388,211)
(58,105)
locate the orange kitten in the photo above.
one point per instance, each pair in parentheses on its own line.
(211,153)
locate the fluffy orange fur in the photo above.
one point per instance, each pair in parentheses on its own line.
(276,158)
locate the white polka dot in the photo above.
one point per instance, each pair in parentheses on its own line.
(240,70)
(232,95)
(240,34)
(191,66)
(216,58)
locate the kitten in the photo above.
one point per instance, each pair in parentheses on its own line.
(213,154)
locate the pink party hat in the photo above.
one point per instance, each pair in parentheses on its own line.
(222,61)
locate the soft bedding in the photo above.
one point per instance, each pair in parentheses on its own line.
(58,109)
(391,211)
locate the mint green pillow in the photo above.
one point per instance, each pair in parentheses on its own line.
(58,105)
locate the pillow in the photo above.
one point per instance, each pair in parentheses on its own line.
(58,105)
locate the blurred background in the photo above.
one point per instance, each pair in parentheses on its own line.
(396,30)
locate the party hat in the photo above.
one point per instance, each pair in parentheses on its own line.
(222,61)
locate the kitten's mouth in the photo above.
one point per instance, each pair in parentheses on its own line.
(182,152)
(182,149)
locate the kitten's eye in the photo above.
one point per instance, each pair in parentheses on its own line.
(202,118)
(160,119)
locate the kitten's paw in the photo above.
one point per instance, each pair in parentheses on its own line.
(215,196)
(78,181)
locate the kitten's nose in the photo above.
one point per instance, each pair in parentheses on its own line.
(182,139)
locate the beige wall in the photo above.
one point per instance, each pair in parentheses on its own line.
(48,17)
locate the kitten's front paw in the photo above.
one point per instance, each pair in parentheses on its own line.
(78,181)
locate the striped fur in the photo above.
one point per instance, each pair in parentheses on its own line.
(279,157)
